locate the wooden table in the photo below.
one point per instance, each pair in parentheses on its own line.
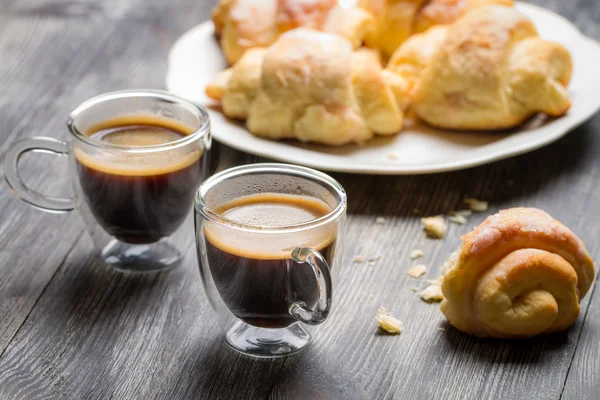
(71,328)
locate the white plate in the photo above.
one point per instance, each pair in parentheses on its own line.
(196,58)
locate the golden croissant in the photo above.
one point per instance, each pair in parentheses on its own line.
(488,70)
(245,24)
(518,274)
(313,87)
(397,20)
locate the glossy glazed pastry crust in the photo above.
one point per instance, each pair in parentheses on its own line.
(518,274)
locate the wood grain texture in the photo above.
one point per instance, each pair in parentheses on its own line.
(583,381)
(70,328)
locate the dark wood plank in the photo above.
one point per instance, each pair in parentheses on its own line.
(50,63)
(97,334)
(583,381)
(82,309)
(352,360)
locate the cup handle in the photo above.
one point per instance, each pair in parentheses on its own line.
(299,309)
(11,173)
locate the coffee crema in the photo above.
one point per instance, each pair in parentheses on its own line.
(139,197)
(255,275)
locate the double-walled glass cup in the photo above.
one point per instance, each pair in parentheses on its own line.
(269,283)
(132,198)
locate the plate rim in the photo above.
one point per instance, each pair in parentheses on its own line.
(207,28)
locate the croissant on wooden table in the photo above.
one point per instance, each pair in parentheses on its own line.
(245,24)
(312,86)
(488,70)
(397,20)
(518,274)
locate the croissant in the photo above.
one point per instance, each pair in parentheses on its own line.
(397,20)
(312,86)
(488,70)
(244,24)
(518,274)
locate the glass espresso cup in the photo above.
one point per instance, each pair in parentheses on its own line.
(136,160)
(269,239)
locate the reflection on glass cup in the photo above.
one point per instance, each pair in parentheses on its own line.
(269,240)
(137,158)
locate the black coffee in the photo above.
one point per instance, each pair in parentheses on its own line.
(258,286)
(140,198)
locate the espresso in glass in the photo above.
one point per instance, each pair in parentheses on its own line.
(258,284)
(140,198)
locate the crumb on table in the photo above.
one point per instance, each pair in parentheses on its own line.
(416,253)
(417,271)
(432,293)
(457,219)
(435,227)
(437,281)
(358,259)
(464,213)
(380,221)
(387,322)
(476,205)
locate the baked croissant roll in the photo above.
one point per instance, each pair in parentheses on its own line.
(518,274)
(489,71)
(245,24)
(313,87)
(397,20)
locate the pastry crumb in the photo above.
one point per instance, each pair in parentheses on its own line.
(358,259)
(417,271)
(476,205)
(432,294)
(437,281)
(435,227)
(380,221)
(392,156)
(457,219)
(371,296)
(416,253)
(442,329)
(414,289)
(371,263)
(387,322)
